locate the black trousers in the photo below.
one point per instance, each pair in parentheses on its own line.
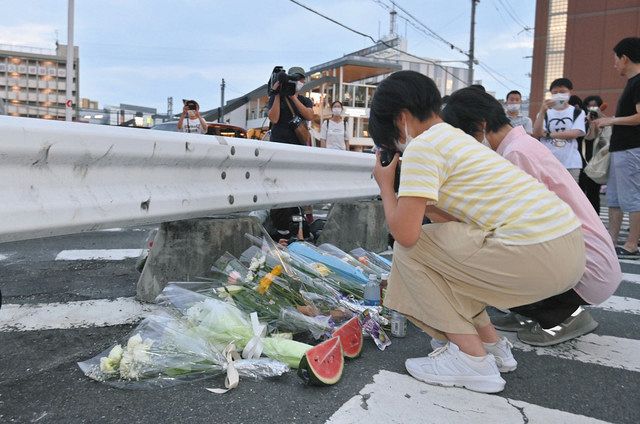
(591,189)
(552,311)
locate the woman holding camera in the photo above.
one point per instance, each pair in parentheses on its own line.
(509,242)
(194,122)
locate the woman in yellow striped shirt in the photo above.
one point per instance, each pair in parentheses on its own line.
(499,236)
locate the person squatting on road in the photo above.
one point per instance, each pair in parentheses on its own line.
(560,317)
(499,236)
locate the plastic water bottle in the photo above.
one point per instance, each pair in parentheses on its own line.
(398,324)
(372,291)
(383,285)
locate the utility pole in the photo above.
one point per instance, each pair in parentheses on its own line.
(169,108)
(221,116)
(68,109)
(472,40)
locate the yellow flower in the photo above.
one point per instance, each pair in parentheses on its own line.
(265,282)
(321,269)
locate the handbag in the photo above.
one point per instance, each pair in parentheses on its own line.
(301,130)
(598,167)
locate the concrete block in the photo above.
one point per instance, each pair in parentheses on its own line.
(356,224)
(184,250)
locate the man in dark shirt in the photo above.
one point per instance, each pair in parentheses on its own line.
(283,132)
(280,114)
(623,186)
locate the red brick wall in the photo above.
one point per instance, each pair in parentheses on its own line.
(593,28)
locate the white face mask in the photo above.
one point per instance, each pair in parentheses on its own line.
(560,99)
(407,139)
(513,107)
(299,85)
(593,109)
(336,111)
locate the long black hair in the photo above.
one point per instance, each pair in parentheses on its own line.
(468,108)
(402,90)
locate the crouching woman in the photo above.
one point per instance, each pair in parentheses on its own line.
(500,237)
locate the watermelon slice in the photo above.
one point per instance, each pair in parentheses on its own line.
(350,334)
(322,365)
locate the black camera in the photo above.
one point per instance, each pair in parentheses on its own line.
(191,104)
(287,83)
(593,114)
(386,156)
(295,122)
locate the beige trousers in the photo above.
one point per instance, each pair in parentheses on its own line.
(445,281)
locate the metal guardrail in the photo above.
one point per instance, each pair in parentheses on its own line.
(62,178)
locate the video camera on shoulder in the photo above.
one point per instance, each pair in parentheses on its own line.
(287,83)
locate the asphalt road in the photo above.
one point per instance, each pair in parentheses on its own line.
(597,377)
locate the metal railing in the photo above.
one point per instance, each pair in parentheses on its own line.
(61,178)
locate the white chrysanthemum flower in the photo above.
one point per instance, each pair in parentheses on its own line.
(106,366)
(254,264)
(134,341)
(116,354)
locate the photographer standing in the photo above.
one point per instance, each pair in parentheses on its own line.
(194,123)
(289,110)
(289,113)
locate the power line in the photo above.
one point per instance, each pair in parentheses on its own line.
(511,13)
(375,42)
(486,68)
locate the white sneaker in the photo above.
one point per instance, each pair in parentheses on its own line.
(448,366)
(502,352)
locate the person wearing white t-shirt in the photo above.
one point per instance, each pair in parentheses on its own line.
(558,125)
(333,132)
(194,122)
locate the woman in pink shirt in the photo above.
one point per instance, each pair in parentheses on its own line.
(559,318)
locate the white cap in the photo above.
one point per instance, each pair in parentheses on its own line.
(384,276)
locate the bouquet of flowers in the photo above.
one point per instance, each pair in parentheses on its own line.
(221,323)
(164,350)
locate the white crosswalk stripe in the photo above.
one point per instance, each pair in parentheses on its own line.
(88,313)
(98,254)
(397,398)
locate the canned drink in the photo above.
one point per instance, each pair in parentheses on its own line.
(398,324)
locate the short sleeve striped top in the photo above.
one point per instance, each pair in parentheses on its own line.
(478,186)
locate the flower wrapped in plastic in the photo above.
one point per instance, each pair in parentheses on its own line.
(221,323)
(351,270)
(164,350)
(379,264)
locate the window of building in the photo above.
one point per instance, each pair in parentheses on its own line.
(556,37)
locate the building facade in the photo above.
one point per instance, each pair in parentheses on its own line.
(352,79)
(575,39)
(33,82)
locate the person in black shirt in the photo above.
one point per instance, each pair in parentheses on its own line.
(282,132)
(623,186)
(280,115)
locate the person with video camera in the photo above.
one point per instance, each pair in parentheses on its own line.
(194,123)
(289,113)
(288,110)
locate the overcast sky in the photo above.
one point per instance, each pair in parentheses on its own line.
(141,52)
